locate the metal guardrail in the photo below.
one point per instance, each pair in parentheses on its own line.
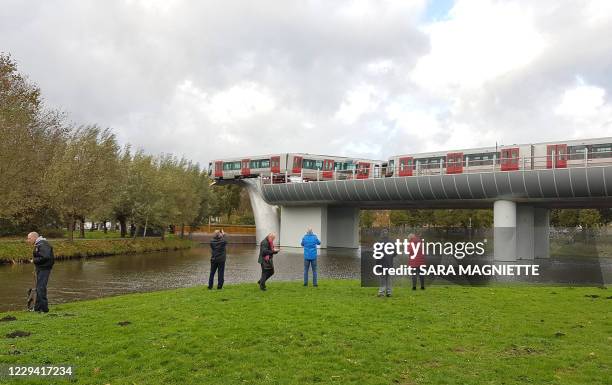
(559,161)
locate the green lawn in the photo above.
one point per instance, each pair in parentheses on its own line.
(338,333)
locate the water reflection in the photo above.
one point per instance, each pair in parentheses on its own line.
(99,277)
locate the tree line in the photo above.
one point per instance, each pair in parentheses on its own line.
(477,219)
(55,175)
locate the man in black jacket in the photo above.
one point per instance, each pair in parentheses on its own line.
(43,259)
(217,259)
(266,252)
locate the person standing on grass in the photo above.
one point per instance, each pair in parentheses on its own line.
(217,259)
(43,259)
(310,243)
(384,288)
(266,253)
(416,259)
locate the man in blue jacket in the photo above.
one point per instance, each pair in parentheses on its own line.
(310,242)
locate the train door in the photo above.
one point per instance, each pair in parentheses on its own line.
(296,168)
(509,159)
(245,170)
(556,153)
(218,169)
(275,164)
(328,168)
(363,170)
(454,163)
(405,166)
(389,169)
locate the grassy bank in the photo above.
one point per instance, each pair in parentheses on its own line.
(339,333)
(19,251)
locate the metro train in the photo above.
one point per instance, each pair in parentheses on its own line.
(505,158)
(295,167)
(291,167)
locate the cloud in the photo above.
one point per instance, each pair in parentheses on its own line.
(353,77)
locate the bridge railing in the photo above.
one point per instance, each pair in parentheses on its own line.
(464,166)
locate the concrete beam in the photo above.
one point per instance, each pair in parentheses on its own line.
(541,232)
(343,227)
(524,232)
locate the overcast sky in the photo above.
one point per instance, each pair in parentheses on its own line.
(213,79)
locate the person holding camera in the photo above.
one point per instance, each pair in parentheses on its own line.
(217,259)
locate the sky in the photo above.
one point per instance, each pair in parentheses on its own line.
(218,79)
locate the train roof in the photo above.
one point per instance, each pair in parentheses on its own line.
(236,159)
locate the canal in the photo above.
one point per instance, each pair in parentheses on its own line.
(79,279)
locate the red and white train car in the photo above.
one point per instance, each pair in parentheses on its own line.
(295,166)
(571,153)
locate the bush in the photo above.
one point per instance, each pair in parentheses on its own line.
(52,233)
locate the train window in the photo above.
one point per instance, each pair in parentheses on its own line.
(600,151)
(230,166)
(260,163)
(479,159)
(431,162)
(576,152)
(341,166)
(312,164)
(309,164)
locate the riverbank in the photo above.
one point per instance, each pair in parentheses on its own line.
(338,333)
(21,252)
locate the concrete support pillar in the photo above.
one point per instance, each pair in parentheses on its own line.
(335,226)
(295,220)
(541,232)
(266,215)
(343,227)
(520,231)
(524,232)
(504,230)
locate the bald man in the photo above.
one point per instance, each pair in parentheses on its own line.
(43,259)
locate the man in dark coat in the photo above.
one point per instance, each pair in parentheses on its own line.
(266,253)
(43,259)
(217,259)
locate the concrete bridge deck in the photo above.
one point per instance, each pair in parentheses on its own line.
(569,187)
